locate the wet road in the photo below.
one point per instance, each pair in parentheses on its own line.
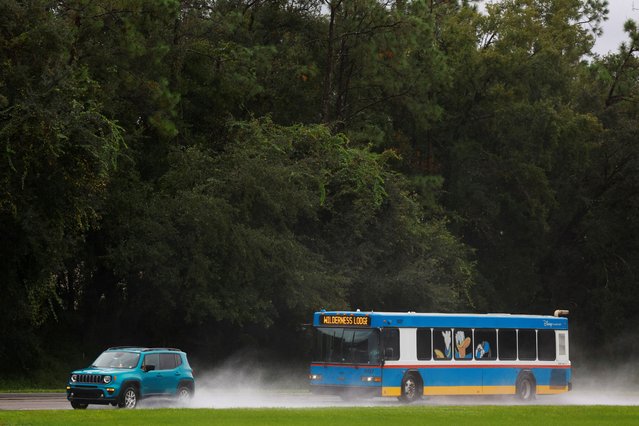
(302,399)
(203,399)
(33,401)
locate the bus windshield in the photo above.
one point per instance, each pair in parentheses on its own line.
(347,345)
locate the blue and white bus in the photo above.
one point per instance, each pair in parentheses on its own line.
(409,355)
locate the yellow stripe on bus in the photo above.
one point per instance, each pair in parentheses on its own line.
(499,390)
(452,390)
(391,391)
(547,390)
(473,390)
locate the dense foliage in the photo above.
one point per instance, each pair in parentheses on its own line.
(207,173)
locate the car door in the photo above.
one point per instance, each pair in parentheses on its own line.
(151,379)
(170,373)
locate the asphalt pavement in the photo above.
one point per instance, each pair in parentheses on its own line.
(215,398)
(34,401)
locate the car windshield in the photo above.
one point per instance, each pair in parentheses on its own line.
(116,359)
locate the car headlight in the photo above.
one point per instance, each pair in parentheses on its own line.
(74,378)
(106,379)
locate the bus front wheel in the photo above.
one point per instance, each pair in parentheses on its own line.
(526,388)
(412,388)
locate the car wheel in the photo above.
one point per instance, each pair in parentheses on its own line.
(184,395)
(129,397)
(411,389)
(526,389)
(78,406)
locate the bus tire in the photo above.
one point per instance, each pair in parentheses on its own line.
(526,387)
(412,388)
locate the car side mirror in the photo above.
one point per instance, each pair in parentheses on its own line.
(147,368)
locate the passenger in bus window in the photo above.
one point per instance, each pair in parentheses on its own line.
(461,344)
(483,350)
(442,346)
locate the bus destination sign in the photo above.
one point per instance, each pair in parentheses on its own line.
(345,320)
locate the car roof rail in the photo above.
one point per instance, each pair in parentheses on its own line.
(143,348)
(138,348)
(161,349)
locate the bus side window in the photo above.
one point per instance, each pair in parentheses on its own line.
(463,342)
(507,347)
(485,344)
(442,343)
(390,340)
(562,345)
(546,343)
(527,344)
(423,344)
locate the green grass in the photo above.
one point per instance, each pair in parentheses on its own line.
(364,416)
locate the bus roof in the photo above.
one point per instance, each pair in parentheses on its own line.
(412,319)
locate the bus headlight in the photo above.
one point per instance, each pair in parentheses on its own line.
(370,379)
(315,376)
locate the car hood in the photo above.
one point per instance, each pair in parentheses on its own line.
(99,370)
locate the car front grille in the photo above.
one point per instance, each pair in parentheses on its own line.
(89,378)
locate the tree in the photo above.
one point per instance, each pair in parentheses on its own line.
(381,71)
(281,222)
(592,269)
(60,150)
(508,120)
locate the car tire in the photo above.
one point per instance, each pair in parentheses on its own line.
(129,397)
(78,406)
(184,395)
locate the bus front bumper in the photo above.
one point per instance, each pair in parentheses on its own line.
(347,391)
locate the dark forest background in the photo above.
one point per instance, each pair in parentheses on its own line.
(206,174)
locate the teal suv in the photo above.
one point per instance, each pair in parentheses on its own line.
(121,376)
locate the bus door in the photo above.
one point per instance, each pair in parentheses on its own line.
(485,352)
(389,343)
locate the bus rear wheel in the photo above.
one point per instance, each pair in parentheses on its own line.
(412,388)
(526,388)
